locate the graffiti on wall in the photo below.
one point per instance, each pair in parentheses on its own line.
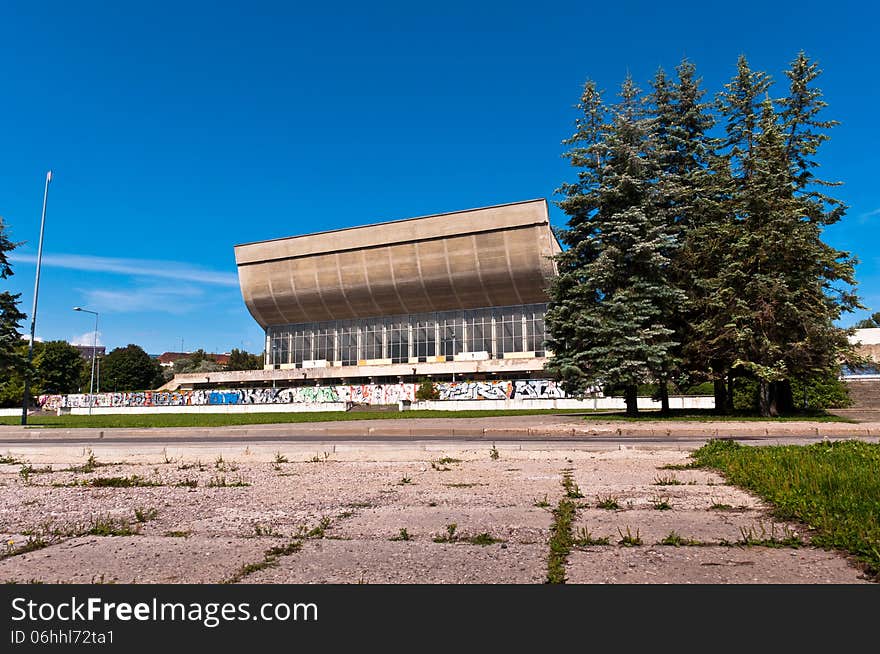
(367,394)
(539,389)
(526,389)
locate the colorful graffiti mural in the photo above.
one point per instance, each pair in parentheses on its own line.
(361,394)
(540,389)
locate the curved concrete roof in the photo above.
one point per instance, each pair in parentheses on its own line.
(493,256)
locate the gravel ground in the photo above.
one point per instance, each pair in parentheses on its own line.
(402,514)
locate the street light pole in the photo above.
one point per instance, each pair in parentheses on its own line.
(94,356)
(27,376)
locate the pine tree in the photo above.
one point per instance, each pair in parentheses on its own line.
(607,308)
(11,359)
(687,196)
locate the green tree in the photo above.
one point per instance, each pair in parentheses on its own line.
(130,368)
(685,153)
(869,323)
(241,360)
(198,361)
(58,368)
(12,359)
(610,305)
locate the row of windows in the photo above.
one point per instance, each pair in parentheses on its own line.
(495,331)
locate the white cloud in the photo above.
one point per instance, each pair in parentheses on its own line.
(86,339)
(137,267)
(172,299)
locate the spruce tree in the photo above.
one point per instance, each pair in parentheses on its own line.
(11,359)
(608,306)
(687,196)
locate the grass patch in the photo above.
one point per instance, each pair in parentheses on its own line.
(9,459)
(692,465)
(832,487)
(462,485)
(666,480)
(760,537)
(177,534)
(404,481)
(224,419)
(561,540)
(720,506)
(708,415)
(607,502)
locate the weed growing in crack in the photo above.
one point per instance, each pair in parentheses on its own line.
(629,539)
(541,503)
(260,531)
(450,536)
(666,480)
(494,454)
(583,538)
(662,504)
(608,502)
(403,534)
(32,544)
(483,539)
(674,539)
(561,541)
(145,515)
(220,481)
(270,559)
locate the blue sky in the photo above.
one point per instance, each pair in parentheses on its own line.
(177,130)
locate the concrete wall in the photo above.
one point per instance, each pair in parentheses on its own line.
(216,408)
(612,403)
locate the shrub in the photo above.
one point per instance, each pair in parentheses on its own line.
(427,391)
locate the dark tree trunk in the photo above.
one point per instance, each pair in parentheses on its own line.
(766,400)
(632,395)
(720,391)
(664,397)
(783,395)
(731,380)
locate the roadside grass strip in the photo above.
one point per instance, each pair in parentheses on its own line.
(831,487)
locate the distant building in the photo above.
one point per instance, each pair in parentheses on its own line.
(86,351)
(868,342)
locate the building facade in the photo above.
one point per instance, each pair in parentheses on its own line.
(459,294)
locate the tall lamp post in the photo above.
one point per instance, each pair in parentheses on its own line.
(24,405)
(94,356)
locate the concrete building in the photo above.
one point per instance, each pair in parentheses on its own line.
(459,294)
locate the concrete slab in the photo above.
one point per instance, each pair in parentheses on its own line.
(709,565)
(407,562)
(135,559)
